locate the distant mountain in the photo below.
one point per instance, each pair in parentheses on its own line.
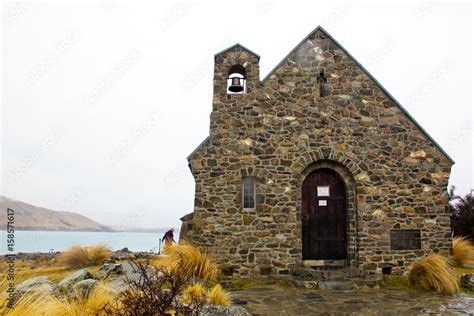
(30,217)
(139,230)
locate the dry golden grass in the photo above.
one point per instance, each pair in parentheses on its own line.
(217,296)
(46,304)
(434,273)
(33,304)
(93,304)
(194,262)
(198,293)
(194,292)
(74,257)
(463,250)
(78,256)
(98,254)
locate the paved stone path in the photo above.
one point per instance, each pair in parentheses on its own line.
(292,301)
(277,301)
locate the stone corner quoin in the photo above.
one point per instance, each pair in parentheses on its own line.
(285,130)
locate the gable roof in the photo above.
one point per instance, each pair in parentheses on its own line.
(321,29)
(204,142)
(235,46)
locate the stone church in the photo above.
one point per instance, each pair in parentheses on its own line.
(316,165)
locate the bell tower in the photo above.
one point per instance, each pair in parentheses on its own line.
(236,74)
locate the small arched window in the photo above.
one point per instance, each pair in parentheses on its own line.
(237,80)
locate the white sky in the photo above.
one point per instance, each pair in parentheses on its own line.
(102,102)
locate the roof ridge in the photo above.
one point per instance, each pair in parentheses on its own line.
(237,45)
(388,94)
(320,28)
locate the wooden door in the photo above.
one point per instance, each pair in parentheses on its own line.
(324,216)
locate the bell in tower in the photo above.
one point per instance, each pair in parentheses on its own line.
(236,79)
(236,85)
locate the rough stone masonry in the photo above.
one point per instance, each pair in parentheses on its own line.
(319,108)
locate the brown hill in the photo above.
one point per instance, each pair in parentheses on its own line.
(30,217)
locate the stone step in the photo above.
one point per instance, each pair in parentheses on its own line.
(338,285)
(327,274)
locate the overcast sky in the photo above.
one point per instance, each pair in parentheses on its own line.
(103,102)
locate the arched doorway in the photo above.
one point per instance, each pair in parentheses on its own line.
(324,216)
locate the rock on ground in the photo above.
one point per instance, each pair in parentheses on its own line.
(226,310)
(467,281)
(41,284)
(112,267)
(75,277)
(85,286)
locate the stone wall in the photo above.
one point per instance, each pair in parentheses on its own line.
(281,130)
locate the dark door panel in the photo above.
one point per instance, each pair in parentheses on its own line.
(324,216)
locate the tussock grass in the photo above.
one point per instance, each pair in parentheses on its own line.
(75,257)
(93,304)
(79,257)
(194,262)
(98,253)
(33,304)
(46,304)
(194,292)
(217,296)
(463,250)
(198,293)
(434,273)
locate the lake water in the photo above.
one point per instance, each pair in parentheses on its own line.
(46,241)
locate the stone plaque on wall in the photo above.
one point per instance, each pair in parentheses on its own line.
(405,239)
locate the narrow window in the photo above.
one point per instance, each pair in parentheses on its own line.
(322,79)
(248,194)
